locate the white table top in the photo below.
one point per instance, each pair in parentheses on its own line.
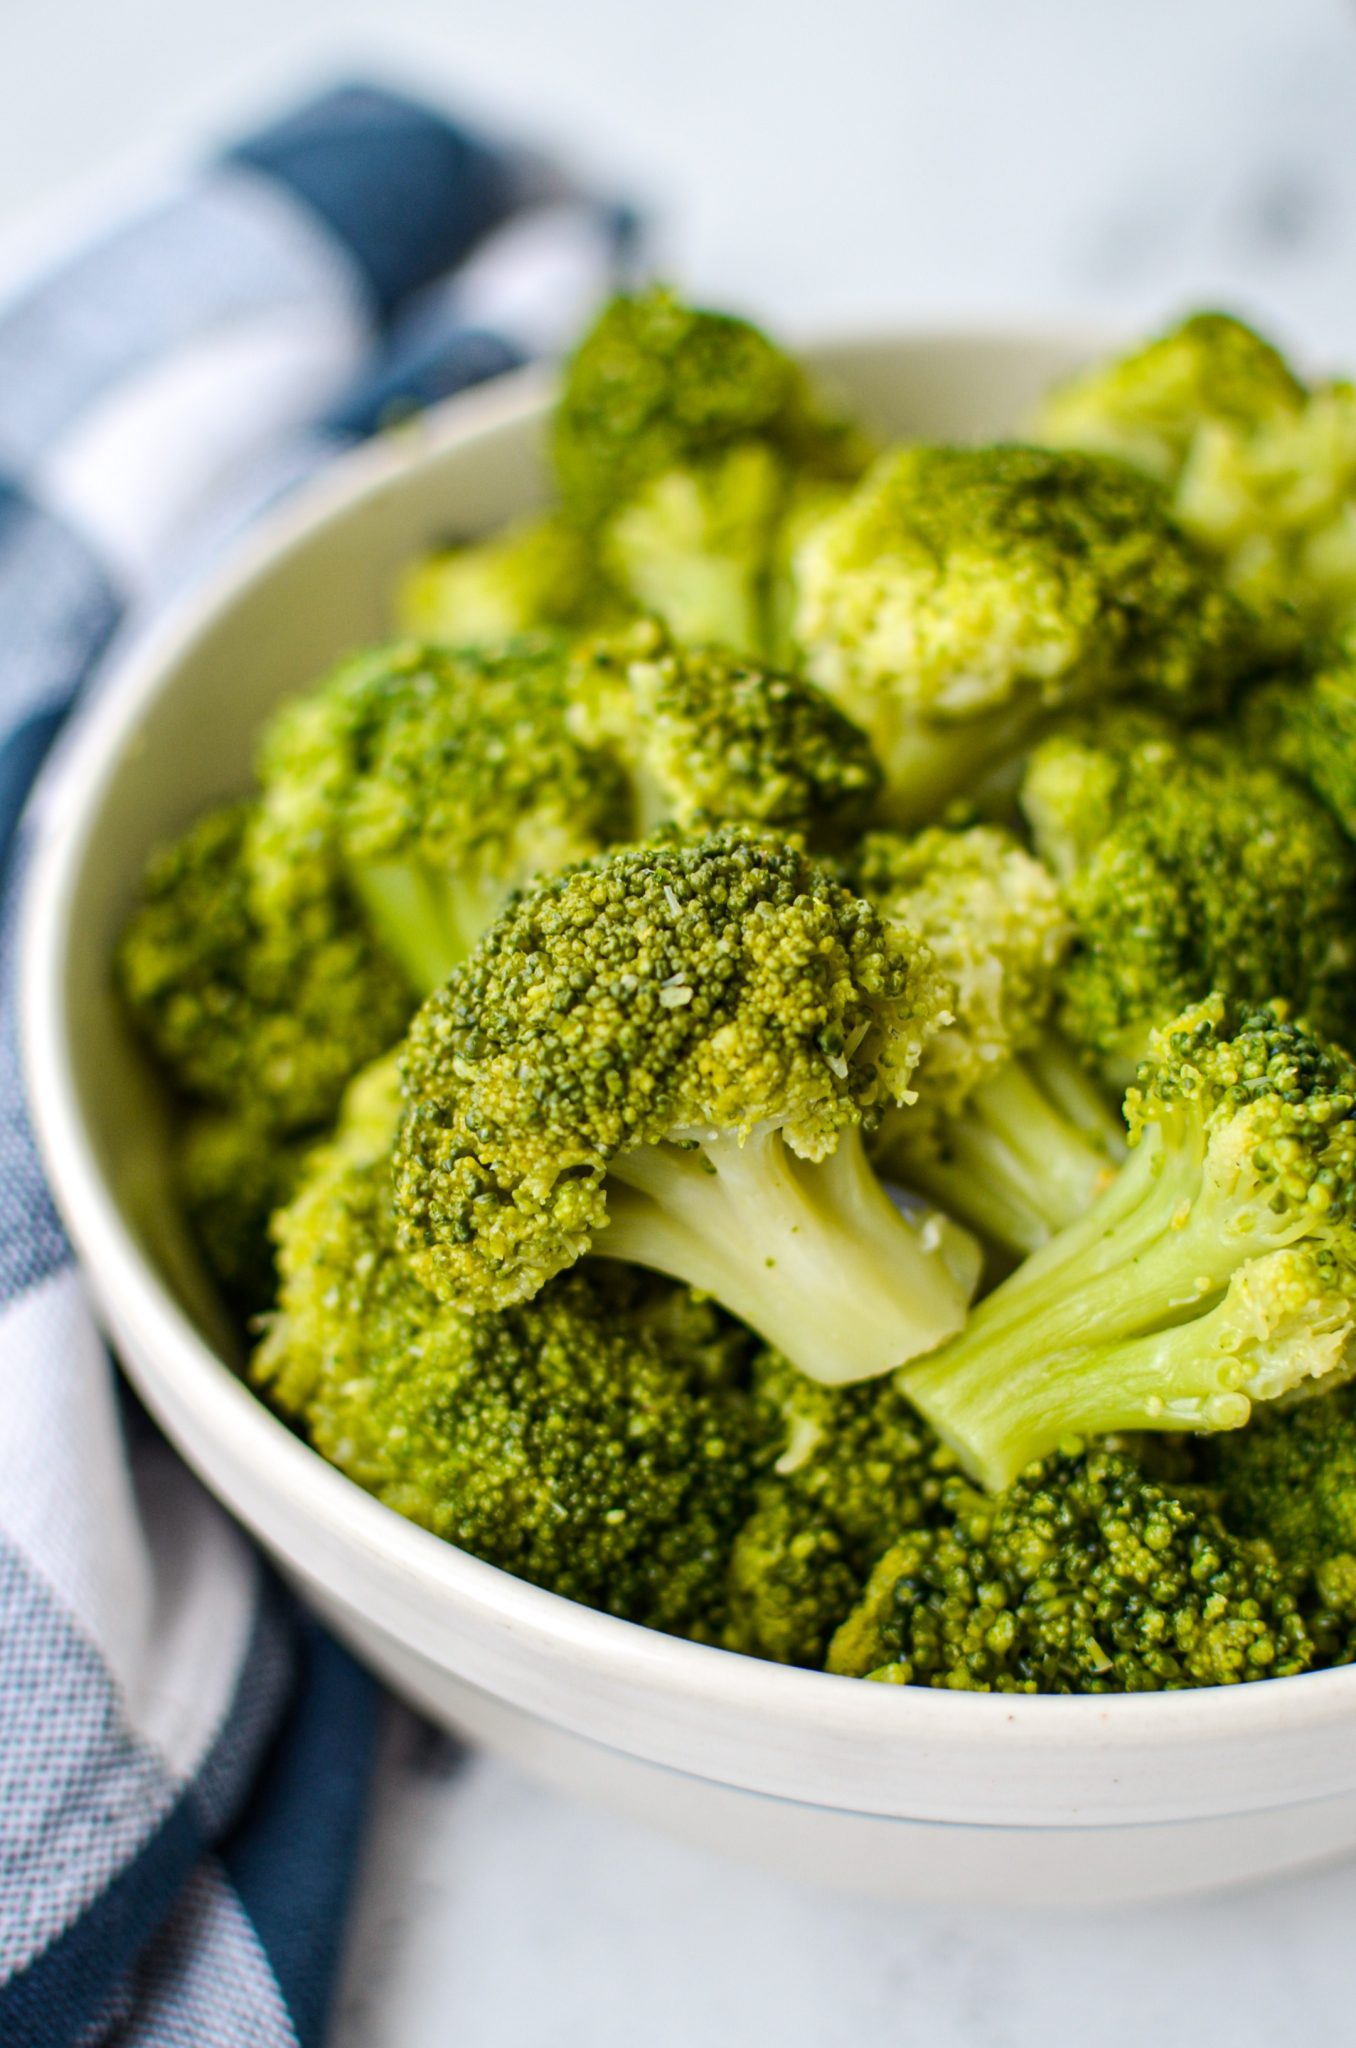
(818,164)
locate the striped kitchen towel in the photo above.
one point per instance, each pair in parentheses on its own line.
(184,1758)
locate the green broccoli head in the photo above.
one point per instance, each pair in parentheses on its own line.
(1007,1133)
(1259,469)
(683,441)
(232,1170)
(1306,723)
(1188,863)
(1085,1576)
(854,1466)
(539,573)
(962,594)
(431,782)
(1148,407)
(670,1053)
(1290,1478)
(263,1016)
(709,738)
(1217,1270)
(600,1442)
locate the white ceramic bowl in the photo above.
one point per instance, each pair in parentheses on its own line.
(902,1792)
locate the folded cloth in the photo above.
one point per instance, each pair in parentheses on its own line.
(184,1758)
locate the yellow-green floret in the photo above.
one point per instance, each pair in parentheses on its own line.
(670,1055)
(962,594)
(232,1170)
(600,1441)
(854,1466)
(708,737)
(538,573)
(1007,1133)
(1217,1270)
(1259,468)
(432,783)
(687,444)
(1084,1576)
(261,1014)
(1188,863)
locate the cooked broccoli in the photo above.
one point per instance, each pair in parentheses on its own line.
(264,1016)
(1084,1576)
(1187,864)
(432,783)
(707,737)
(232,1171)
(669,1055)
(599,1441)
(538,573)
(1008,1133)
(856,1466)
(962,594)
(684,441)
(1259,469)
(1291,1477)
(1306,722)
(1218,1269)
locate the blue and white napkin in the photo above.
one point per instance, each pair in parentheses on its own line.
(184,1758)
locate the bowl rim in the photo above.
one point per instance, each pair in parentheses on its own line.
(72,789)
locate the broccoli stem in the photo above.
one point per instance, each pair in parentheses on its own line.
(1109,1327)
(1028,1152)
(815,1257)
(704,601)
(427,919)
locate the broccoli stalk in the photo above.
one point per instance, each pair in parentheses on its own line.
(1218,1269)
(1008,1133)
(811,1255)
(670,1053)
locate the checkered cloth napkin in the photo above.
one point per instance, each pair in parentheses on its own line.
(184,1759)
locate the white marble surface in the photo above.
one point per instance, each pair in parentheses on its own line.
(821,164)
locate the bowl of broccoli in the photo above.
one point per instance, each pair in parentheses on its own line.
(694,1027)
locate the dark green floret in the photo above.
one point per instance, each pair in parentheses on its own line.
(432,783)
(670,1055)
(232,1171)
(708,737)
(854,1466)
(1290,1477)
(260,1014)
(1218,1270)
(1084,1576)
(689,446)
(961,595)
(1188,863)
(1306,722)
(600,1441)
(1008,1132)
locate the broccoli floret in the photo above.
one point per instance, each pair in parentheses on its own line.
(1188,865)
(1085,1576)
(432,783)
(855,1466)
(669,1055)
(538,573)
(1261,470)
(1290,1477)
(232,1171)
(707,737)
(263,1016)
(1008,1132)
(601,1441)
(684,441)
(1306,722)
(960,595)
(1218,1270)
